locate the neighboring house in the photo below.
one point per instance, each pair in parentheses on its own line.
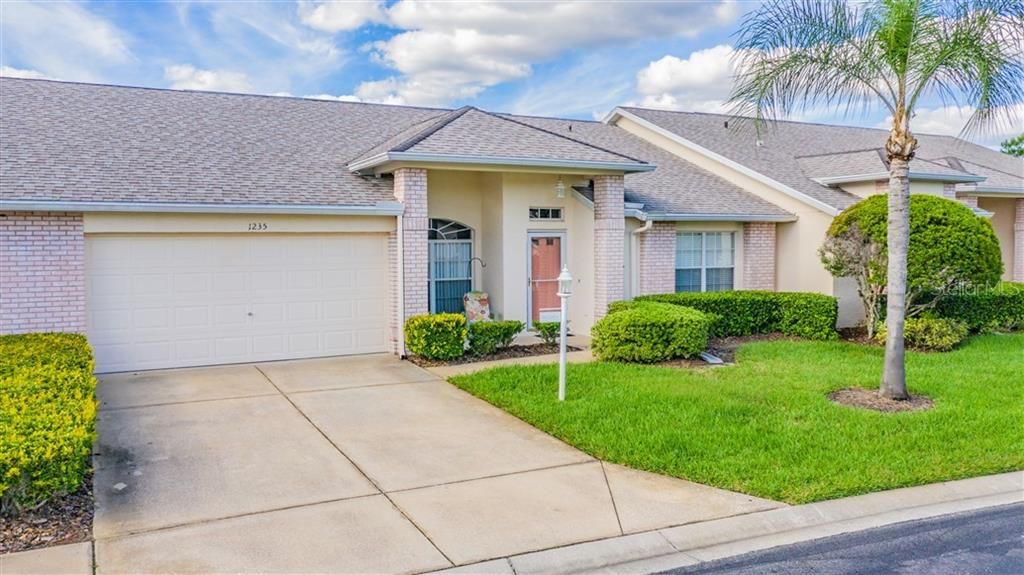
(816,170)
(193,228)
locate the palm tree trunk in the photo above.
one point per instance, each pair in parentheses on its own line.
(894,377)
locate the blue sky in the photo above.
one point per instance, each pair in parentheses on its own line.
(571,59)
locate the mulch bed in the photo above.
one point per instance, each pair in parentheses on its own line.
(65,519)
(869,399)
(723,348)
(510,352)
(856,335)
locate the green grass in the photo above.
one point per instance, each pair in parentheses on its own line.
(765,426)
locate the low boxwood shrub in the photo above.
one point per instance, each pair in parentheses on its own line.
(650,332)
(548,331)
(486,337)
(47,417)
(1000,308)
(929,333)
(749,312)
(440,336)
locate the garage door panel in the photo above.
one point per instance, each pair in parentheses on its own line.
(172,301)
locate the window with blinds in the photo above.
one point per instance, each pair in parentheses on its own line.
(705,261)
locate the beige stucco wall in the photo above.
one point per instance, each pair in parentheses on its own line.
(1002,221)
(520,192)
(134,223)
(496,206)
(861,189)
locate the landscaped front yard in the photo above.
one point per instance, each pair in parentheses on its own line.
(766,426)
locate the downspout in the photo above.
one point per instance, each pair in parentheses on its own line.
(635,257)
(400,312)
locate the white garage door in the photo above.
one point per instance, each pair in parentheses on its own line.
(158,301)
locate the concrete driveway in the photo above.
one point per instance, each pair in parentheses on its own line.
(361,465)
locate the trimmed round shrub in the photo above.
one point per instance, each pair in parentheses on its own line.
(750,312)
(439,336)
(950,248)
(487,337)
(650,332)
(47,417)
(929,333)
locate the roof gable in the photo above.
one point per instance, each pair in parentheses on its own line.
(470,134)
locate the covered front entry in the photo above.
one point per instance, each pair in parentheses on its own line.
(547,252)
(175,300)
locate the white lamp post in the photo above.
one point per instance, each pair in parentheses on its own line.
(564,291)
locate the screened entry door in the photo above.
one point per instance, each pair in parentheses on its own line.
(451,274)
(450,265)
(546,254)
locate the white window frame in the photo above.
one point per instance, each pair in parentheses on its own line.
(704,258)
(431,280)
(550,218)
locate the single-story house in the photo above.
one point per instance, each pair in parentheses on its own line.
(181,228)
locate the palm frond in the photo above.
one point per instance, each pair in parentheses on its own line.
(797,55)
(973,54)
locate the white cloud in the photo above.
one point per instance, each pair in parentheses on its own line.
(12,72)
(188,77)
(340,16)
(342,98)
(62,40)
(265,41)
(950,120)
(700,82)
(597,83)
(454,50)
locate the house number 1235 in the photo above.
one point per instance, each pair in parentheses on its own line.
(257,226)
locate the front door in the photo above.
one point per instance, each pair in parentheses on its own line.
(546,252)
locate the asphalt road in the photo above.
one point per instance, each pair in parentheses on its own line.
(989,541)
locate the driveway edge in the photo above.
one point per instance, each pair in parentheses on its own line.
(684,545)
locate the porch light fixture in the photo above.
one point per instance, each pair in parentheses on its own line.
(564,292)
(560,188)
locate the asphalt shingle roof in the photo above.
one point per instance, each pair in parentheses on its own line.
(993,176)
(782,143)
(676,186)
(472,132)
(82,142)
(864,162)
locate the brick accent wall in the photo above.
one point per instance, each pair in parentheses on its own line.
(394,311)
(949,191)
(759,256)
(42,272)
(609,242)
(1018,241)
(411,189)
(658,259)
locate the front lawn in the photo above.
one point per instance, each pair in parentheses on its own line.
(765,426)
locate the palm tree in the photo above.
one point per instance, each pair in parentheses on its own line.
(807,54)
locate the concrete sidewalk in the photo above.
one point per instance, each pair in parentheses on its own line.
(663,549)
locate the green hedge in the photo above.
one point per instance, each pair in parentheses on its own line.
(486,337)
(739,313)
(650,332)
(436,336)
(47,417)
(999,308)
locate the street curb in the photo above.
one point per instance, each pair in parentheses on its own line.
(684,545)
